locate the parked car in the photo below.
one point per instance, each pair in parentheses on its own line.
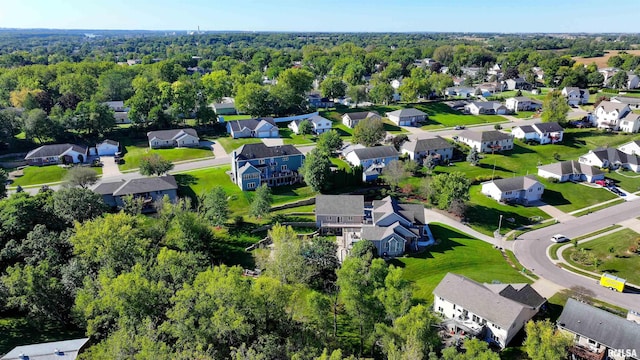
(460,127)
(558,238)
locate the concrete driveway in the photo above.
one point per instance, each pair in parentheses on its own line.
(272,141)
(109,167)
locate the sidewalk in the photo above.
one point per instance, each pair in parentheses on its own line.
(434,216)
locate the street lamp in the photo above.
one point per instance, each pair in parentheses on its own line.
(496,234)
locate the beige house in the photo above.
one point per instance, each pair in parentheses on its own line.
(173,138)
(487,141)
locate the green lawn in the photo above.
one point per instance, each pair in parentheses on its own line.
(442,116)
(626,179)
(392,128)
(341,164)
(229,144)
(612,250)
(134,154)
(34,175)
(569,197)
(235,117)
(457,253)
(525,114)
(17,331)
(289,137)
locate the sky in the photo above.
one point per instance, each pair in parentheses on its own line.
(507,16)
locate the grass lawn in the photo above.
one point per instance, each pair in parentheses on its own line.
(23,331)
(235,117)
(626,179)
(457,253)
(612,250)
(289,137)
(341,164)
(442,116)
(392,128)
(229,144)
(41,175)
(569,197)
(134,154)
(525,114)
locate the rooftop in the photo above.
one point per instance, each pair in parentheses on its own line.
(340,205)
(261,151)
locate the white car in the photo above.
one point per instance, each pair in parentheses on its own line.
(559,238)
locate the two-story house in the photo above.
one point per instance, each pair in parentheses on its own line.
(599,334)
(150,189)
(173,138)
(611,158)
(575,96)
(631,148)
(350,120)
(319,124)
(522,103)
(487,141)
(57,154)
(372,159)
(317,101)
(255,164)
(120,111)
(407,117)
(617,117)
(485,108)
(542,133)
(521,189)
(517,84)
(495,312)
(439,148)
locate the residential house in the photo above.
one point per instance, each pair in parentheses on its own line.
(517,84)
(107,148)
(461,91)
(599,334)
(486,108)
(372,159)
(258,128)
(522,103)
(611,158)
(319,124)
(633,81)
(543,133)
(439,149)
(57,154)
(150,189)
(255,164)
(538,72)
(407,117)
(470,71)
(493,312)
(489,88)
(632,102)
(318,101)
(120,112)
(521,189)
(424,63)
(617,117)
(608,73)
(631,148)
(394,228)
(496,70)
(352,119)
(570,170)
(63,350)
(226,107)
(575,96)
(487,141)
(173,138)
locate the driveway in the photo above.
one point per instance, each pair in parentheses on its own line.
(109,167)
(273,141)
(216,147)
(554,212)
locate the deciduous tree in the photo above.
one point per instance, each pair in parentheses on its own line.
(78,204)
(80,176)
(214,205)
(154,164)
(305,128)
(394,173)
(333,87)
(554,107)
(444,188)
(329,142)
(369,132)
(316,169)
(261,203)
(544,341)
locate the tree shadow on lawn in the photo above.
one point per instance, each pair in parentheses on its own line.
(391,127)
(492,167)
(184,182)
(519,150)
(554,198)
(489,218)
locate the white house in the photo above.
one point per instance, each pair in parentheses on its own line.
(439,148)
(57,153)
(350,120)
(407,117)
(318,123)
(575,96)
(173,138)
(521,189)
(631,148)
(517,83)
(611,158)
(120,112)
(543,133)
(486,141)
(570,170)
(372,160)
(495,311)
(107,148)
(460,91)
(617,117)
(485,108)
(522,103)
(258,128)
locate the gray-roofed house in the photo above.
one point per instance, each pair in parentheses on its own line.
(617,117)
(226,107)
(393,228)
(173,138)
(150,189)
(255,164)
(120,111)
(611,158)
(56,350)
(372,159)
(521,189)
(57,154)
(575,96)
(598,332)
(542,133)
(632,102)
(570,170)
(258,128)
(407,117)
(350,120)
(494,312)
(517,84)
(522,103)
(485,108)
(487,141)
(107,148)
(439,148)
(320,125)
(631,148)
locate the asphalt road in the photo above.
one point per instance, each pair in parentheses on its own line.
(531,251)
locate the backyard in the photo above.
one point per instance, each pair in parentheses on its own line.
(613,254)
(229,144)
(442,116)
(134,154)
(457,253)
(35,175)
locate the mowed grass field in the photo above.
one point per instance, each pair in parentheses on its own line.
(35,175)
(229,144)
(134,153)
(443,116)
(457,253)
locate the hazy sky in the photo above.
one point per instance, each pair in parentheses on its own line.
(327,15)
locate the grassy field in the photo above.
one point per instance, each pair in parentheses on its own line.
(17,331)
(626,179)
(34,175)
(612,251)
(526,114)
(134,154)
(553,249)
(235,117)
(289,137)
(392,128)
(457,253)
(569,197)
(229,144)
(442,116)
(341,164)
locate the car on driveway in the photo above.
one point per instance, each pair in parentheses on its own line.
(558,238)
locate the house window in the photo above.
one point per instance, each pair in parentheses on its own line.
(251,185)
(530,190)
(440,309)
(286,158)
(261,161)
(283,167)
(508,193)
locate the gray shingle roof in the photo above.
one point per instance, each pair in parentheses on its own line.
(527,129)
(522,293)
(407,112)
(340,205)
(570,167)
(610,106)
(376,152)
(54,150)
(110,142)
(626,100)
(606,328)
(137,186)
(361,115)
(414,213)
(427,144)
(260,151)
(482,136)
(108,188)
(515,183)
(170,134)
(548,127)
(614,155)
(479,299)
(251,124)
(46,351)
